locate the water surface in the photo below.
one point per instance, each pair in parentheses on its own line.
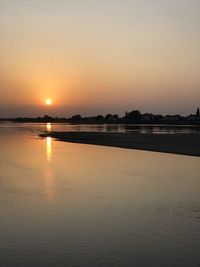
(65,204)
(141,128)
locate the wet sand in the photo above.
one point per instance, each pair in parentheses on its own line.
(183,144)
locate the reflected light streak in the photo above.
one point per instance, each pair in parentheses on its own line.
(48,148)
(48,126)
(48,174)
(49,185)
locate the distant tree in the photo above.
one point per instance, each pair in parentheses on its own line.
(47,118)
(99,117)
(76,117)
(108,116)
(112,118)
(116,117)
(134,115)
(198,113)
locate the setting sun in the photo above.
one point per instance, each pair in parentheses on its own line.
(48,101)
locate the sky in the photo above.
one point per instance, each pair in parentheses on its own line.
(99,56)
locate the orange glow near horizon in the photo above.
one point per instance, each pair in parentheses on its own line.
(70,66)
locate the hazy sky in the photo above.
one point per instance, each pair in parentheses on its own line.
(99,56)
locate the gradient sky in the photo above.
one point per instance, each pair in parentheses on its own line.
(99,56)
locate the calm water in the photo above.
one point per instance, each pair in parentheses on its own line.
(141,128)
(64,204)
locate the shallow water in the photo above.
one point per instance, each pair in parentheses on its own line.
(65,204)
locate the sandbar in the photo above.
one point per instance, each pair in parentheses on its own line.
(183,144)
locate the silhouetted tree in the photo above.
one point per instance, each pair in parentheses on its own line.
(198,113)
(99,117)
(76,117)
(108,117)
(112,118)
(134,115)
(47,118)
(115,117)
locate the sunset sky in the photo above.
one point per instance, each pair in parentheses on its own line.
(99,56)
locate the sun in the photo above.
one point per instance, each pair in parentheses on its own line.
(48,102)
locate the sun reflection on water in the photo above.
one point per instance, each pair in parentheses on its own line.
(49,185)
(48,148)
(48,173)
(48,126)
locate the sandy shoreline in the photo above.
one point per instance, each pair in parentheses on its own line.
(184,144)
